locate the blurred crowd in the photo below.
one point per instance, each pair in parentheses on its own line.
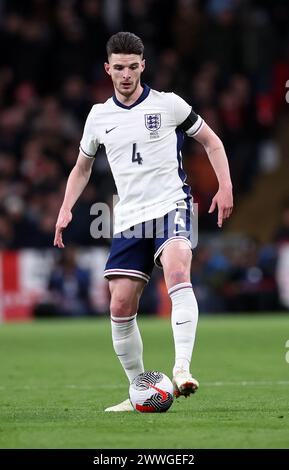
(227,58)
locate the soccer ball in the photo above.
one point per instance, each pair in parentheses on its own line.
(151,392)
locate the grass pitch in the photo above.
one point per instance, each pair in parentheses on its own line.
(57,377)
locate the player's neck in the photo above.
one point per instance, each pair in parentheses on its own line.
(131,99)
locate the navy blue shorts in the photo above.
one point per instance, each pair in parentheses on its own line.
(135,251)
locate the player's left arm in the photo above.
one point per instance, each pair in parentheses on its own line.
(214,147)
(194,126)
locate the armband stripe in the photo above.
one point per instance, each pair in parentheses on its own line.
(189,122)
(195,130)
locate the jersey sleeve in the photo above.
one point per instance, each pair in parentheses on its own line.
(89,142)
(186,118)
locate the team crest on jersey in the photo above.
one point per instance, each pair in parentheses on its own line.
(153,123)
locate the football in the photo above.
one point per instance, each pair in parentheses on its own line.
(151,392)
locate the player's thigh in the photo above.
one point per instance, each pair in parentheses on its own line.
(125,294)
(176,259)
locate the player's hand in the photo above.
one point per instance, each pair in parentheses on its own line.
(64,218)
(224,201)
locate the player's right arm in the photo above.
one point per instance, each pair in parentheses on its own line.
(76,183)
(79,176)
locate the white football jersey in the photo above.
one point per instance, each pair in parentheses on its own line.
(143,146)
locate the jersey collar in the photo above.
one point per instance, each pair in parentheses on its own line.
(142,97)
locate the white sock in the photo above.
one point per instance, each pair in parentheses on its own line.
(184,323)
(128,345)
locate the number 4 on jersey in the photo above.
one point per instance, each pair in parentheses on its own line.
(136,155)
(179,221)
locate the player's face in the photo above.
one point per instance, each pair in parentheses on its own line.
(125,71)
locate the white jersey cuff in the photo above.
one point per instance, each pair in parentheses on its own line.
(85,154)
(192,131)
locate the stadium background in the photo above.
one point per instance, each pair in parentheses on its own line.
(229,59)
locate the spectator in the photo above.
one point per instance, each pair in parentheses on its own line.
(69,287)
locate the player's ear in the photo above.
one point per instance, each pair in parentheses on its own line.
(107,68)
(143,65)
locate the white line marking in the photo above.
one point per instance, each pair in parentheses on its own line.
(246,383)
(243,383)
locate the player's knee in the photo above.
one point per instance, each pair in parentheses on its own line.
(122,307)
(177,275)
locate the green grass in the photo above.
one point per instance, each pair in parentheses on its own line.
(57,377)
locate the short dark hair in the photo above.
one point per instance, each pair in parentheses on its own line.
(124,43)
